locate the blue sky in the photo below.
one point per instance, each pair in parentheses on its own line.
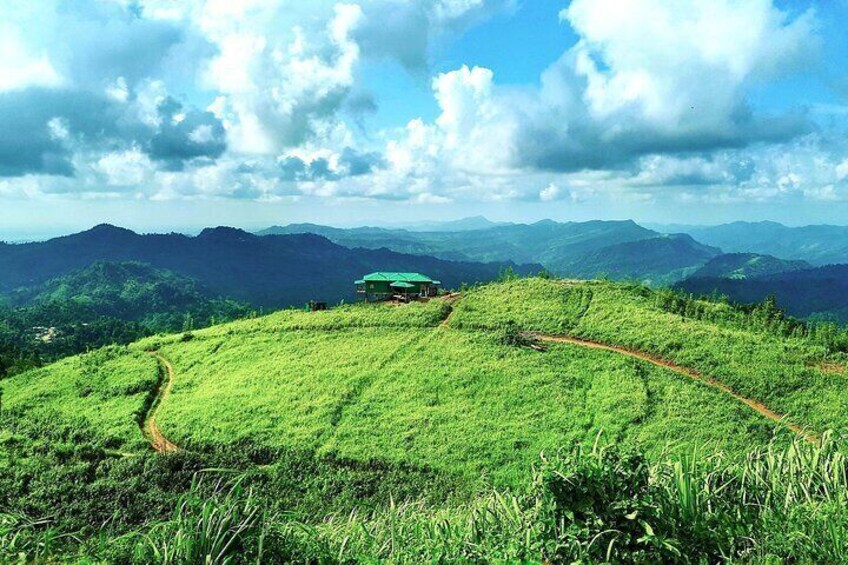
(157,114)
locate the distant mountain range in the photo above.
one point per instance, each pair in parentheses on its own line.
(743,260)
(271,272)
(618,249)
(818,245)
(289,265)
(463,224)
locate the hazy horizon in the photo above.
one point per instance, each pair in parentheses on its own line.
(662,227)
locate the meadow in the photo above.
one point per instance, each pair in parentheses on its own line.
(436,431)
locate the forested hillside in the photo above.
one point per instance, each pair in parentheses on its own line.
(747,266)
(820,293)
(268,272)
(103,304)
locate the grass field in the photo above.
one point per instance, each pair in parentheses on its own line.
(783,372)
(444,405)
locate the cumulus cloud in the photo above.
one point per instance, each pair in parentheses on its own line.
(652,90)
(264,100)
(184,135)
(650,77)
(550,193)
(85,93)
(328,166)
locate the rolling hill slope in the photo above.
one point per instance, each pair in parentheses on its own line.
(321,381)
(434,402)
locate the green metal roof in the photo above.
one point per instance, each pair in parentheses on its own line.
(401,284)
(397,277)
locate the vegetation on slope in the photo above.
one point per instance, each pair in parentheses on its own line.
(760,354)
(378,432)
(746,266)
(815,294)
(104,304)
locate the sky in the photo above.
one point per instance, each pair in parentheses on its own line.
(175,115)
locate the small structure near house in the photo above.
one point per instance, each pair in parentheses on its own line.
(401,286)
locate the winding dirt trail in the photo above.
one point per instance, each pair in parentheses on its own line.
(755,405)
(158,441)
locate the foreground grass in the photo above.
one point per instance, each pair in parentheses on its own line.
(781,504)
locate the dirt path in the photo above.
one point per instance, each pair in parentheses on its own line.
(158,441)
(450,299)
(759,407)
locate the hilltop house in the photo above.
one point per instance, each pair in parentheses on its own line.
(404,286)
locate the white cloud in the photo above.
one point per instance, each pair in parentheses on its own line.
(842,170)
(20,68)
(279,90)
(125,169)
(651,101)
(682,65)
(647,83)
(550,193)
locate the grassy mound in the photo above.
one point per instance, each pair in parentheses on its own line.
(435,403)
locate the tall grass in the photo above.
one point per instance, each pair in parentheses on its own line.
(593,504)
(218,529)
(602,504)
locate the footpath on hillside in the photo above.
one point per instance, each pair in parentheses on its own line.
(755,405)
(162,444)
(157,439)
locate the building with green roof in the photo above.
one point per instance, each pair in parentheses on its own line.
(384,285)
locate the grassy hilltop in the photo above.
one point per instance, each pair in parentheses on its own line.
(448,405)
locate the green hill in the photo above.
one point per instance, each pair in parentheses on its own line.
(818,244)
(746,265)
(438,402)
(655,261)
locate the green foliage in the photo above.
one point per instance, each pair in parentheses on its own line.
(786,503)
(213,530)
(104,304)
(381,433)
